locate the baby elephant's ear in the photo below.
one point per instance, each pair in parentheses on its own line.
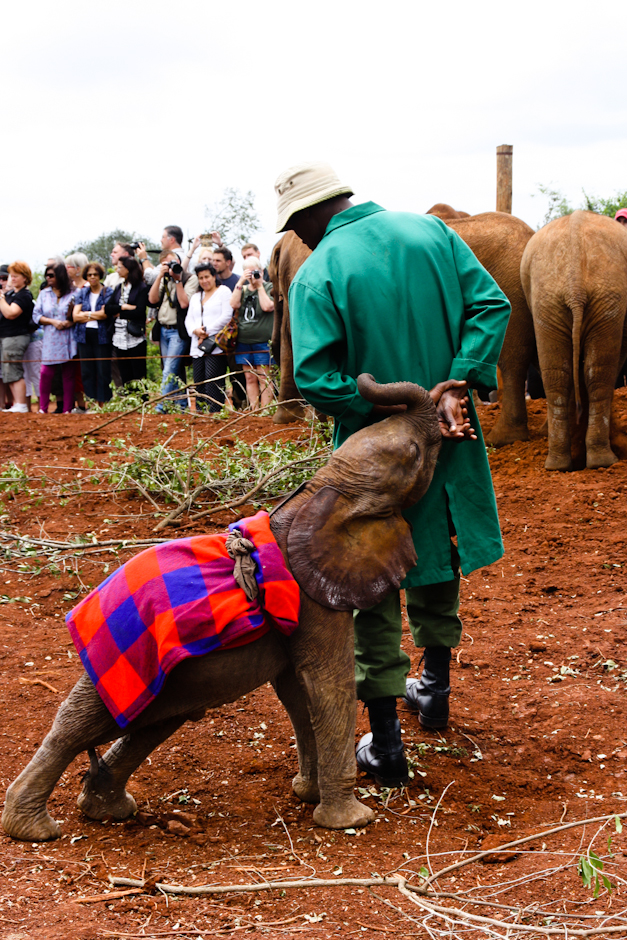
(343,558)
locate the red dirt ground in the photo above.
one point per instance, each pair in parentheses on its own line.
(537,732)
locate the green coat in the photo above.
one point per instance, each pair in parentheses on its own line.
(403,297)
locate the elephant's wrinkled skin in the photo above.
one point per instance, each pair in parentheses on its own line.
(287,256)
(574,274)
(347,545)
(498,240)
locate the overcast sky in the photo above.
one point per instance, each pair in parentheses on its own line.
(138,115)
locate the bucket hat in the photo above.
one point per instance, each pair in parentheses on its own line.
(305,185)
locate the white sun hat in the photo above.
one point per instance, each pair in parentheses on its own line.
(304,185)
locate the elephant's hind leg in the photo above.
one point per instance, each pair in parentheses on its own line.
(292,696)
(553,324)
(81,723)
(104,790)
(601,362)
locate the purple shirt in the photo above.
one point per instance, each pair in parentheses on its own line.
(59,345)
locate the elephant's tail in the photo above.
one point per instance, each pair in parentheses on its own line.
(577,312)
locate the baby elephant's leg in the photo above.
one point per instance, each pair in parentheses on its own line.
(294,700)
(104,790)
(81,723)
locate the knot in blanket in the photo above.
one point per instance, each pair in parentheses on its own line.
(240,549)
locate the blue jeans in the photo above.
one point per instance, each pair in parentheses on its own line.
(171,346)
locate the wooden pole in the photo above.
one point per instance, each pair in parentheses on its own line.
(504,159)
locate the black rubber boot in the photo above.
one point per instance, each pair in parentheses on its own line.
(429,694)
(380,753)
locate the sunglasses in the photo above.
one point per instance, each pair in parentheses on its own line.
(4,277)
(49,274)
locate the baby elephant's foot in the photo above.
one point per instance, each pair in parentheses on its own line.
(600,457)
(285,415)
(561,462)
(349,814)
(306,789)
(98,800)
(27,822)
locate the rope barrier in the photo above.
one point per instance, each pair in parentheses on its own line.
(106,359)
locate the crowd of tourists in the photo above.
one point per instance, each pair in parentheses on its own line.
(89,329)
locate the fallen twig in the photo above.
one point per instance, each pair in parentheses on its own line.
(432,823)
(82,547)
(24,681)
(448,913)
(263,886)
(522,841)
(95,898)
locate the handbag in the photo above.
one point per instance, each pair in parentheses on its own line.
(226,338)
(207,346)
(135,328)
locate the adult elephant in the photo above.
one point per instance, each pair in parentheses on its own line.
(574,275)
(446,212)
(287,256)
(347,545)
(498,240)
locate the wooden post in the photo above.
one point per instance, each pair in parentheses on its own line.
(504,159)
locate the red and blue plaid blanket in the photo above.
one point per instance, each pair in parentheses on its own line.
(176,600)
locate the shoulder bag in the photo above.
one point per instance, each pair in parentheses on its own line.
(226,338)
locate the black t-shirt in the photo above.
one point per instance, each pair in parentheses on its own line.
(19,326)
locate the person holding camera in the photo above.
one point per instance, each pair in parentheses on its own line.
(171,286)
(251,298)
(250,250)
(209,310)
(128,306)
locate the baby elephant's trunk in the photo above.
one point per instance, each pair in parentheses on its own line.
(414,396)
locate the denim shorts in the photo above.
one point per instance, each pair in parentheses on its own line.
(252,354)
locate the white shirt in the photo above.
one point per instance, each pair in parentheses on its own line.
(93,300)
(216,313)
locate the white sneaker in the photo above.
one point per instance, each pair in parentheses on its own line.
(20,409)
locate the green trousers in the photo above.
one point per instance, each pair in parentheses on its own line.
(381,667)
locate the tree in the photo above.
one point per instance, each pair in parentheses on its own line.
(559,205)
(234,216)
(606,206)
(100,248)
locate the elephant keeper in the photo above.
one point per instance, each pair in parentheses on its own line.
(402,297)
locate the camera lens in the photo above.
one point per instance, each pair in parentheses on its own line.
(176,268)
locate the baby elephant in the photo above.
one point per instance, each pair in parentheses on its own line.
(347,545)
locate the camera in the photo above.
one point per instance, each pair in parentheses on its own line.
(133,245)
(256,275)
(175,267)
